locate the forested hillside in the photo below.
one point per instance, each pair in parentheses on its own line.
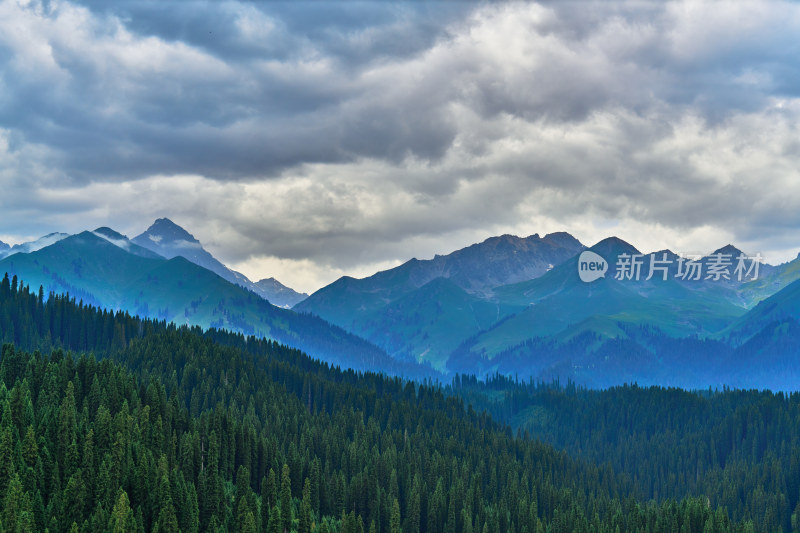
(161,428)
(739,448)
(121,275)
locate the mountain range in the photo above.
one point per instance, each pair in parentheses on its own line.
(509,305)
(103,268)
(549,324)
(169,240)
(422,310)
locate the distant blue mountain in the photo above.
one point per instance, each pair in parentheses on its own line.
(511,305)
(784,304)
(32,246)
(770,357)
(548,323)
(278,293)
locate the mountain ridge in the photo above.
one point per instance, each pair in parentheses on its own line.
(32,246)
(101,273)
(359,304)
(555,308)
(169,240)
(446,311)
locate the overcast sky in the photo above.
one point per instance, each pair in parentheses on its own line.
(309,140)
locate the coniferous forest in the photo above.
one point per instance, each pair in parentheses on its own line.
(113,423)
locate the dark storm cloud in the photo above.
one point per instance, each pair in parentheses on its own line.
(348,134)
(247,90)
(225,90)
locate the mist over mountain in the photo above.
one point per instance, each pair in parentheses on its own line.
(32,246)
(171,240)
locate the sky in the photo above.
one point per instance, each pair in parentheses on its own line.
(309,140)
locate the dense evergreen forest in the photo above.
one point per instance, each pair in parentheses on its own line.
(741,449)
(112,423)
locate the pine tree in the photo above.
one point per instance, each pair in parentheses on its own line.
(272,488)
(305,509)
(122,520)
(243,516)
(349,523)
(249,523)
(6,459)
(394,522)
(316,476)
(26,521)
(275,524)
(466,519)
(242,496)
(413,517)
(74,498)
(30,449)
(12,505)
(286,499)
(67,428)
(167,518)
(450,525)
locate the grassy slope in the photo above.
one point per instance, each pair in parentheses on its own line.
(429,323)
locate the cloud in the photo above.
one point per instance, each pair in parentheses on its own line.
(344,137)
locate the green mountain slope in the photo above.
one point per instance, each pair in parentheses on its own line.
(429,323)
(92,269)
(424,322)
(179,430)
(561,306)
(87,266)
(476,269)
(782,305)
(422,310)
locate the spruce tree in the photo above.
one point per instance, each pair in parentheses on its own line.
(286,499)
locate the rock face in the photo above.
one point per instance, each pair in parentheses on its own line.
(423,309)
(476,269)
(279,294)
(169,240)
